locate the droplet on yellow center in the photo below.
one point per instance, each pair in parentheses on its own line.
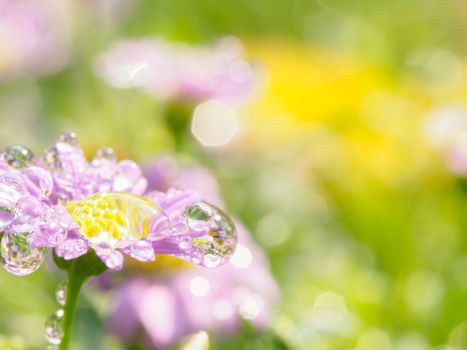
(113,216)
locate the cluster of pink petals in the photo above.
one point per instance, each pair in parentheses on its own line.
(31,41)
(169,308)
(175,71)
(33,195)
(76,178)
(26,206)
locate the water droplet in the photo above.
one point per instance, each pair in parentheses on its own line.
(51,158)
(13,182)
(142,250)
(28,206)
(213,259)
(69,138)
(178,225)
(114,260)
(7,212)
(199,216)
(40,179)
(220,243)
(202,244)
(127,177)
(18,256)
(54,328)
(20,224)
(105,153)
(223,222)
(185,243)
(196,257)
(18,156)
(60,293)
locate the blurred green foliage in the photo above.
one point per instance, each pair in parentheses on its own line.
(363,263)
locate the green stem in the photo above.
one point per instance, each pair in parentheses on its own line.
(75,282)
(177,118)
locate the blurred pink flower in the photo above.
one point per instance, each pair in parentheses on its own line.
(171,307)
(176,71)
(166,173)
(32,39)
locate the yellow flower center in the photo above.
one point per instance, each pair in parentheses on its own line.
(113,216)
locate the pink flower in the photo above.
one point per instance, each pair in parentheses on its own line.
(175,71)
(31,38)
(173,306)
(64,202)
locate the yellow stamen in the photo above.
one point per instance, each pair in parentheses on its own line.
(114,215)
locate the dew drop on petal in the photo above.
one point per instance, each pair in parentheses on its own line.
(221,240)
(20,224)
(114,260)
(18,256)
(179,225)
(54,328)
(105,153)
(128,177)
(14,182)
(51,158)
(185,243)
(28,206)
(17,156)
(7,212)
(60,293)
(196,257)
(142,251)
(41,179)
(69,138)
(199,216)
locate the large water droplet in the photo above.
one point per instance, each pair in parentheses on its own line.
(18,156)
(60,293)
(199,216)
(219,243)
(54,328)
(18,256)
(223,227)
